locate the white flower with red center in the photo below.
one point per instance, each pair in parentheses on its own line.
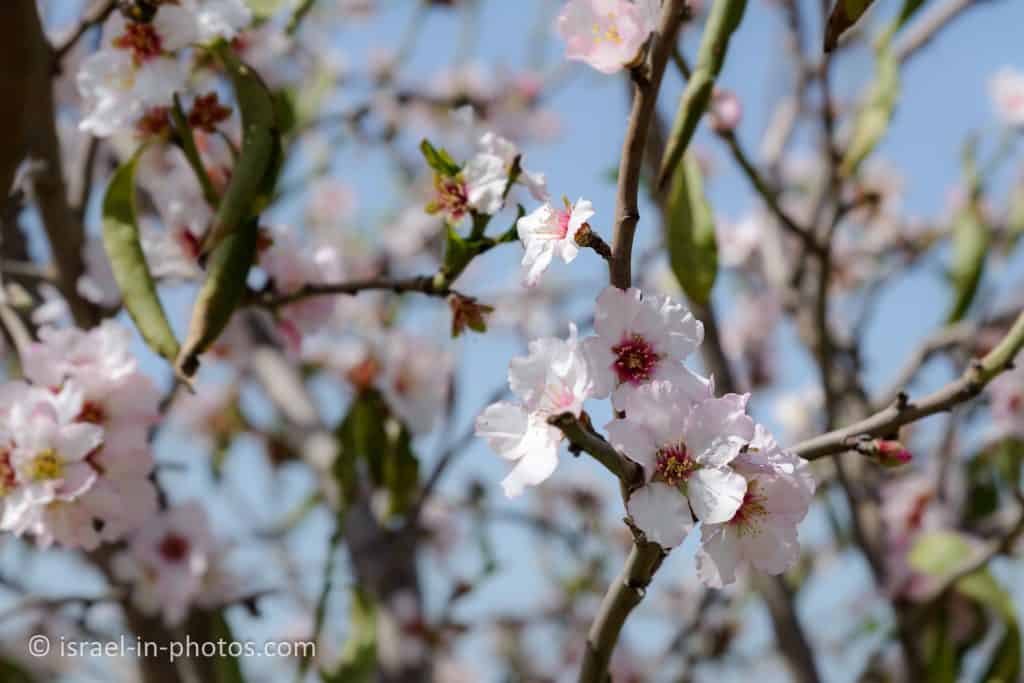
(548,231)
(48,457)
(487,175)
(1007,401)
(607,34)
(553,379)
(1007,91)
(763,531)
(641,339)
(686,444)
(169,562)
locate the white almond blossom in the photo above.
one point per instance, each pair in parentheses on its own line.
(607,34)
(686,444)
(553,379)
(763,531)
(548,231)
(640,339)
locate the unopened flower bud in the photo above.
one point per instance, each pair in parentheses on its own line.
(889,453)
(726,111)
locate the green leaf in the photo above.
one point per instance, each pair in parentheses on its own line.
(187,141)
(940,553)
(220,295)
(873,120)
(1015,217)
(255,173)
(970,242)
(844,15)
(228,669)
(401,470)
(124,249)
(723,20)
(263,9)
(439,159)
(358,661)
(690,233)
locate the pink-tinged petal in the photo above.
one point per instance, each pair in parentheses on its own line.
(636,441)
(715,494)
(536,260)
(683,333)
(771,548)
(686,383)
(717,429)
(599,358)
(718,556)
(661,512)
(538,460)
(78,478)
(582,211)
(504,425)
(77,440)
(614,313)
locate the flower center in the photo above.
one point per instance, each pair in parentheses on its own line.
(174,547)
(8,480)
(451,198)
(751,509)
(673,464)
(143,41)
(563,223)
(635,359)
(1016,403)
(207,112)
(608,31)
(93,413)
(46,466)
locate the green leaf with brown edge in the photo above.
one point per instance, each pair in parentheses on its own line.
(844,15)
(255,173)
(124,249)
(220,295)
(723,20)
(690,233)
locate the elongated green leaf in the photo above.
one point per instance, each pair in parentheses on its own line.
(690,233)
(228,669)
(220,295)
(255,172)
(844,15)
(188,146)
(358,661)
(970,248)
(1015,218)
(401,470)
(873,120)
(723,20)
(124,249)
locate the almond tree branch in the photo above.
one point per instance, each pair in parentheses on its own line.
(424,284)
(644,558)
(646,87)
(904,411)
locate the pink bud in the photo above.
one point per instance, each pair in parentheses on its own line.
(726,110)
(890,453)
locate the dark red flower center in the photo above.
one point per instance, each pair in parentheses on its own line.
(673,464)
(143,41)
(635,359)
(174,547)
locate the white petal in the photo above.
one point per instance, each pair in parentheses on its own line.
(504,425)
(661,512)
(718,556)
(635,440)
(717,429)
(538,460)
(715,494)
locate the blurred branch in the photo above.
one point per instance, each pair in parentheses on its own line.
(929,26)
(97,15)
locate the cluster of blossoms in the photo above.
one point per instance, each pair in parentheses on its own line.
(76,460)
(131,81)
(76,466)
(609,35)
(702,456)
